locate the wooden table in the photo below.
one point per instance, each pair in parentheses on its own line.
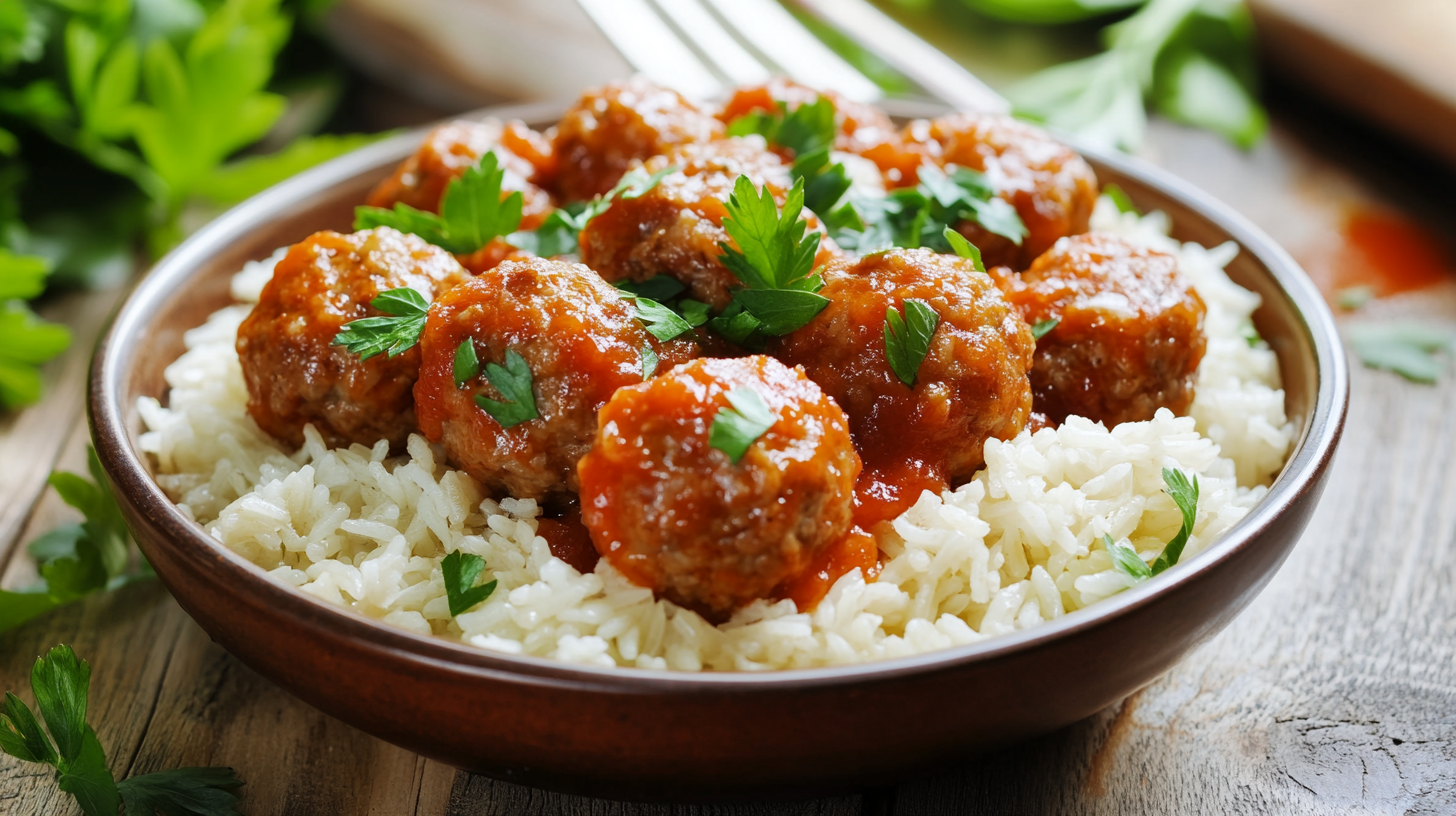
(1335,692)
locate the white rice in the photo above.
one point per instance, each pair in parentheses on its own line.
(1018,545)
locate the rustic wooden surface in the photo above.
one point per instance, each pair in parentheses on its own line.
(1335,692)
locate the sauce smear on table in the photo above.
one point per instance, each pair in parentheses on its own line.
(1382,251)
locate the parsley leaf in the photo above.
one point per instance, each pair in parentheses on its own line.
(460,569)
(965,248)
(513,380)
(774,259)
(919,216)
(26,341)
(738,326)
(805,129)
(735,429)
(472,211)
(61,682)
(397,333)
(1043,327)
(1119,198)
(181,792)
(559,234)
(1126,559)
(467,365)
(1353,297)
(1185,495)
(907,339)
(660,321)
(1405,348)
(650,362)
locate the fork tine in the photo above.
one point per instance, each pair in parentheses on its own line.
(772,31)
(713,42)
(651,46)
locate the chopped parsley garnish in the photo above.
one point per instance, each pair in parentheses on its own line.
(559,234)
(395,334)
(965,249)
(1353,297)
(460,569)
(907,338)
(1185,495)
(1412,350)
(649,362)
(660,321)
(1120,198)
(774,259)
(918,216)
(472,212)
(61,683)
(467,365)
(807,131)
(1043,327)
(735,429)
(513,380)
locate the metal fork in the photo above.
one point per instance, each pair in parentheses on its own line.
(702,47)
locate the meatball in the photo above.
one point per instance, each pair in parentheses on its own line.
(1129,335)
(1052,188)
(296,376)
(971,386)
(580,340)
(451,149)
(676,227)
(677,515)
(859,128)
(610,127)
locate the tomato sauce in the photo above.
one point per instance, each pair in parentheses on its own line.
(569,540)
(857,550)
(1382,251)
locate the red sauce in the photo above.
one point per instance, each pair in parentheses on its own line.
(855,550)
(1383,251)
(896,468)
(569,540)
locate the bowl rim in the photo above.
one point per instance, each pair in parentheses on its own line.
(123,463)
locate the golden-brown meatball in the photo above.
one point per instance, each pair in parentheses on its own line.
(676,227)
(295,374)
(677,515)
(859,128)
(580,340)
(971,386)
(1052,188)
(1130,331)
(609,127)
(451,149)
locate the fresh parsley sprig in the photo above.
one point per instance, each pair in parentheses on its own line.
(1420,352)
(808,131)
(650,361)
(660,321)
(735,429)
(61,683)
(472,211)
(395,333)
(774,260)
(513,380)
(559,234)
(1042,328)
(460,569)
(77,560)
(1185,495)
(907,338)
(919,216)
(965,249)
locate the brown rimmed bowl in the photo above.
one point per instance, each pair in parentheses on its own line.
(638,734)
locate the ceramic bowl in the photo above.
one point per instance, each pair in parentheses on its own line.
(638,734)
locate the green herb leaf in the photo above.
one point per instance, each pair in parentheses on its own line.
(907,339)
(805,129)
(22,276)
(737,326)
(1043,327)
(60,681)
(780,311)
(637,183)
(773,260)
(513,380)
(472,211)
(1185,496)
(965,249)
(20,734)
(242,178)
(86,777)
(182,792)
(557,235)
(649,362)
(26,342)
(1120,199)
(660,321)
(695,312)
(394,334)
(1406,348)
(467,365)
(460,569)
(1126,559)
(661,288)
(1354,297)
(735,429)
